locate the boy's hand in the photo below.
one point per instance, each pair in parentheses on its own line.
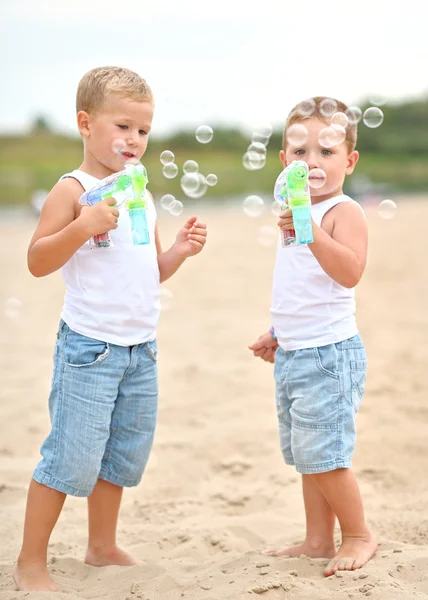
(286,220)
(191,239)
(100,218)
(265,347)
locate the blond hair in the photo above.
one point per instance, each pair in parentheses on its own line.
(313,109)
(97,85)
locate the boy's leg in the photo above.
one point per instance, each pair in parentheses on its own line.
(320,519)
(127,451)
(340,489)
(43,509)
(103,512)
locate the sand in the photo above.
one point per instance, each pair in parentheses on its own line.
(216,491)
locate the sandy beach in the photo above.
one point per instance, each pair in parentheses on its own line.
(216,491)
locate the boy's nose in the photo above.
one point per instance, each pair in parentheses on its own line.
(133,139)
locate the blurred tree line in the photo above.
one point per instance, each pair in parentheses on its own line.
(393,158)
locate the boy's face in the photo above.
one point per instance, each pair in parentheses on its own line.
(336,162)
(122,124)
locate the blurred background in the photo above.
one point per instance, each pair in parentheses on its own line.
(235,67)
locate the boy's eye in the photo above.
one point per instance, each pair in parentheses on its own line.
(142,132)
(300,152)
(326,152)
(123,126)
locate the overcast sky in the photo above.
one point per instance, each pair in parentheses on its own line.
(235,62)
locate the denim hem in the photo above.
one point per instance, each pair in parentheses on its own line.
(119,481)
(56,484)
(331,465)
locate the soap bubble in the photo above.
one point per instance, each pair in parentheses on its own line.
(316,178)
(212,179)
(296,134)
(276,208)
(200,189)
(189,182)
(167,157)
(167,200)
(253,206)
(331,136)
(339,118)
(306,107)
(354,114)
(328,107)
(190,166)
(257,147)
(12,308)
(170,170)
(373,117)
(387,209)
(267,236)
(377,99)
(204,134)
(166,298)
(176,208)
(253,161)
(118,146)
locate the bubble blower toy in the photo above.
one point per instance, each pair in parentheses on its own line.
(128,188)
(292,190)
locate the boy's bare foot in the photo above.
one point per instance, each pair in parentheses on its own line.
(352,554)
(313,549)
(33,577)
(112,556)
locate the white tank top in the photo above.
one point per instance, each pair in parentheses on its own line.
(113,294)
(309,308)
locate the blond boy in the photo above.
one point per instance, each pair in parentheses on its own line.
(320,361)
(103,402)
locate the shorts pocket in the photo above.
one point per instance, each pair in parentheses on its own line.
(327,359)
(152,350)
(358,369)
(81,351)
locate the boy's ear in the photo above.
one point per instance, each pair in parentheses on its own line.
(84,123)
(282,158)
(352,161)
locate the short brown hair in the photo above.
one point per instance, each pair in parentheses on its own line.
(98,84)
(313,109)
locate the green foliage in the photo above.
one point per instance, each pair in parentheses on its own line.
(394,154)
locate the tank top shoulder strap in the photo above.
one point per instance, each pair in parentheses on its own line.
(85,180)
(319,210)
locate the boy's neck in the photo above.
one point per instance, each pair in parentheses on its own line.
(93,167)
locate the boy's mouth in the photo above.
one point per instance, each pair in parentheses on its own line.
(128,155)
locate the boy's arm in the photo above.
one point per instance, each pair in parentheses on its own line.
(63,227)
(189,241)
(343,254)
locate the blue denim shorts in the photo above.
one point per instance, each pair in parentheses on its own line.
(103,409)
(318,394)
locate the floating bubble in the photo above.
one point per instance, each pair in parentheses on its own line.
(331,136)
(264,130)
(118,146)
(339,118)
(170,170)
(211,179)
(276,208)
(267,236)
(167,200)
(12,308)
(297,134)
(260,138)
(316,178)
(201,188)
(176,208)
(354,114)
(204,134)
(253,161)
(253,206)
(189,182)
(387,209)
(132,161)
(328,107)
(166,298)
(373,117)
(377,99)
(257,147)
(167,157)
(190,166)
(306,107)
(38,198)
